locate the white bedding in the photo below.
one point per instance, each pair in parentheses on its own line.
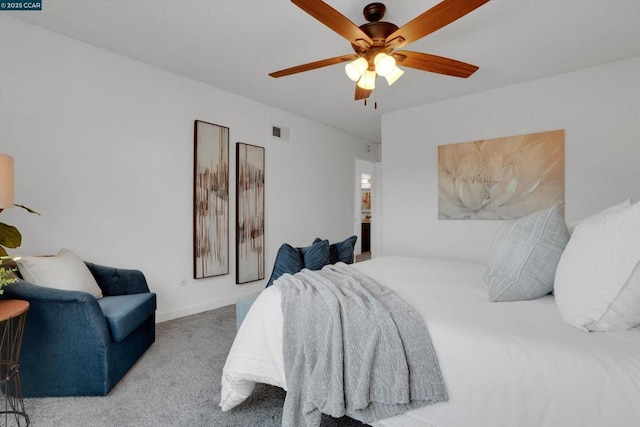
(504,364)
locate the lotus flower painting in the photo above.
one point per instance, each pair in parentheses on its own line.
(501,178)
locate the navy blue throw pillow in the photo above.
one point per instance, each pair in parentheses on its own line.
(344,250)
(316,256)
(288,260)
(341,251)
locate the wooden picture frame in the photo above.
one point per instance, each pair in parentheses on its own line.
(249,213)
(210,200)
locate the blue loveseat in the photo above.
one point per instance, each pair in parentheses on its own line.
(77,345)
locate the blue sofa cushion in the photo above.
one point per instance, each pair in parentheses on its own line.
(125,313)
(341,251)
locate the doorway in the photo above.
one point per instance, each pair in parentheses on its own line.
(364,209)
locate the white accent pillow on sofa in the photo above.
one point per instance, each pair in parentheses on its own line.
(597,286)
(65,270)
(524,256)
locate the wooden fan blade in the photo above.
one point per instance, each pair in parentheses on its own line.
(335,20)
(433,19)
(434,63)
(313,65)
(362,93)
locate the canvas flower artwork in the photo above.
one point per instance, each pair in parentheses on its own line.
(501,178)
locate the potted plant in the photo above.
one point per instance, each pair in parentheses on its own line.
(10,237)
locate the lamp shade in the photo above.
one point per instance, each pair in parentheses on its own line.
(6,181)
(384,63)
(356,68)
(368,80)
(394,75)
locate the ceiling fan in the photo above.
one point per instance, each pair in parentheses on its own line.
(376,42)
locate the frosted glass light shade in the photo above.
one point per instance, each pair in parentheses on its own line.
(394,75)
(6,181)
(384,63)
(356,68)
(368,80)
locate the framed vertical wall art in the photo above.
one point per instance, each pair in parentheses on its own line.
(249,213)
(210,200)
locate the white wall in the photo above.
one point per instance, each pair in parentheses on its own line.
(599,108)
(103,149)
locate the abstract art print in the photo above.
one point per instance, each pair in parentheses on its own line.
(366,201)
(250,213)
(210,200)
(501,178)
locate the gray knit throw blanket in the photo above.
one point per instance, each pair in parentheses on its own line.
(352,347)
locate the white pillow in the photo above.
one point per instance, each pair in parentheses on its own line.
(605,212)
(597,285)
(524,256)
(65,270)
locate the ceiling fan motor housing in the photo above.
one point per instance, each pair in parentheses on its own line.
(378,31)
(374,11)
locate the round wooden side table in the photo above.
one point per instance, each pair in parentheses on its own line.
(13,314)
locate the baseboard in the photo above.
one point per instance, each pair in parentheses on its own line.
(194,309)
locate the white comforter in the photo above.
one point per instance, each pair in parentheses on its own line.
(505,364)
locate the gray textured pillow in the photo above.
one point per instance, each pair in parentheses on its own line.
(524,256)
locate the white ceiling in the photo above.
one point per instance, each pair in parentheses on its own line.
(234,44)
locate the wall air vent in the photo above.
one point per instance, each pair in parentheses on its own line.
(280,132)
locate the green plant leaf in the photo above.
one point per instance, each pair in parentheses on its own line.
(10,237)
(26,208)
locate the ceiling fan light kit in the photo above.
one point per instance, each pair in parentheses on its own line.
(393,76)
(368,80)
(384,64)
(376,43)
(356,68)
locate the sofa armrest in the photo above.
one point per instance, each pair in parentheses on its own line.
(118,281)
(54,310)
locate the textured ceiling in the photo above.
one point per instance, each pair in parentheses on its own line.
(234,44)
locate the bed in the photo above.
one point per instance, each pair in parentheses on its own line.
(504,364)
